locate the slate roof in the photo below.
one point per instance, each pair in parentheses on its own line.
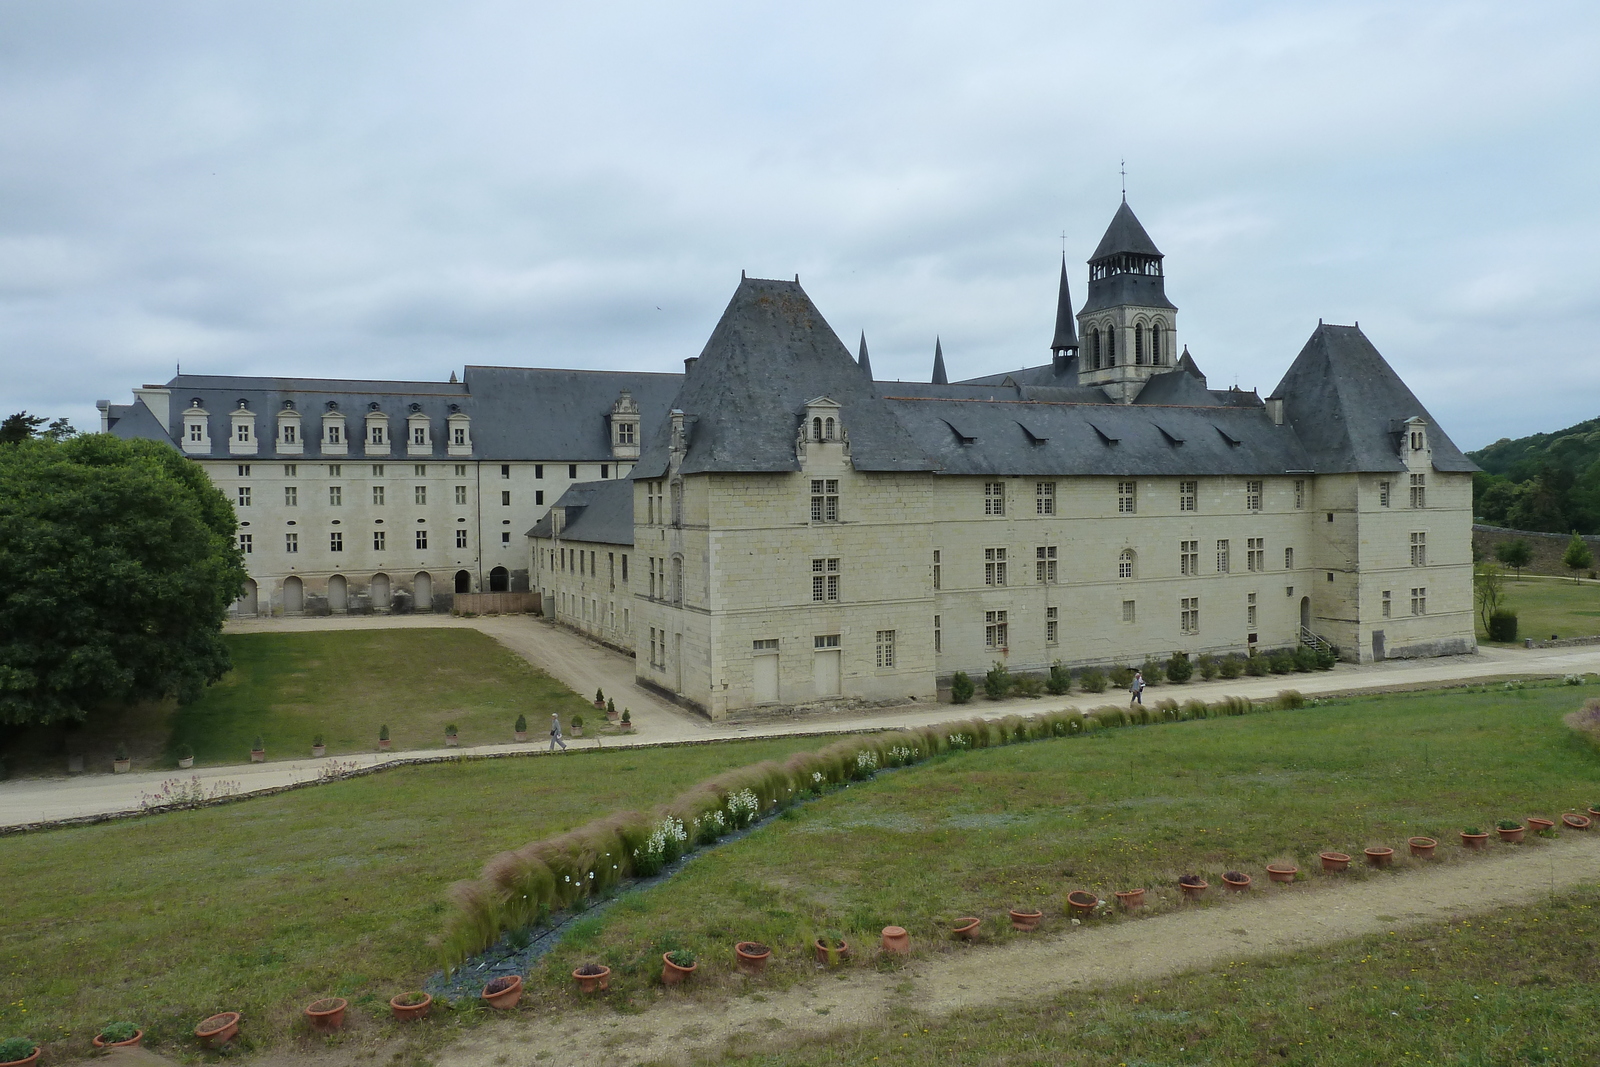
(136,422)
(1066,335)
(601,512)
(1347,405)
(1125,234)
(939,375)
(1176,387)
(1063,374)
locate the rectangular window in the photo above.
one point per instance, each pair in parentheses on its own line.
(1044,564)
(291,542)
(822,641)
(605,470)
(1383,494)
(1044,498)
(1222,557)
(376,432)
(1419,490)
(624,568)
(885,649)
(652,577)
(1188,496)
(505,498)
(1419,601)
(244,496)
(824,580)
(378,495)
(461,468)
(572,470)
(1188,558)
(1252,496)
(461,538)
(244,470)
(824,500)
(335,433)
(769,644)
(538,496)
(422,538)
(1127,498)
(461,494)
(336,470)
(1388,603)
(1189,615)
(419,494)
(1255,554)
(994,566)
(1250,611)
(1288,559)
(459,437)
(380,540)
(936,568)
(1125,563)
(335,495)
(505,537)
(1129,613)
(377,470)
(625,433)
(291,470)
(994,498)
(538,470)
(1419,550)
(1052,626)
(419,435)
(1300,493)
(994,629)
(505,470)
(247,543)
(243,431)
(938,636)
(197,431)
(420,470)
(336,542)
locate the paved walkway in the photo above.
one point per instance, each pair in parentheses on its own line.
(585,667)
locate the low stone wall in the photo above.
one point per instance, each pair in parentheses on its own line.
(497,604)
(1548,548)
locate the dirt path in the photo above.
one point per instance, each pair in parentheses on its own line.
(1272,921)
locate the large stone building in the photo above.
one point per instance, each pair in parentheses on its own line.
(801,532)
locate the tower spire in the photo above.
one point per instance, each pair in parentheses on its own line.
(939,376)
(866,364)
(1065,343)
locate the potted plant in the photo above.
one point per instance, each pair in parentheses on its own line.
(1192,885)
(1334,861)
(1130,898)
(318,748)
(1574,821)
(599,700)
(1025,918)
(966,928)
(611,710)
(18,1052)
(121,762)
(521,728)
(677,966)
(1082,903)
(1422,847)
(383,738)
(1282,872)
(219,1029)
(1472,837)
(408,1007)
(1379,855)
(258,750)
(832,948)
(1594,812)
(118,1035)
(577,726)
(896,940)
(1236,881)
(593,978)
(1509,830)
(627,720)
(185,757)
(451,737)
(1539,825)
(326,1014)
(752,956)
(504,992)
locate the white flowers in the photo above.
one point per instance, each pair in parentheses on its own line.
(899,755)
(867,761)
(742,808)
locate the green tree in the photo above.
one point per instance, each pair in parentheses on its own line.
(119,562)
(19,427)
(1489,590)
(1577,557)
(1515,554)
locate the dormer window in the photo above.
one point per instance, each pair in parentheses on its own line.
(1418,441)
(375,433)
(816,429)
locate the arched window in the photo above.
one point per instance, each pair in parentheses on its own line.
(1138,344)
(816,429)
(829,430)
(1155,343)
(1125,564)
(1097,348)
(1111,346)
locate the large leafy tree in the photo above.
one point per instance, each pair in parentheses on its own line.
(118,563)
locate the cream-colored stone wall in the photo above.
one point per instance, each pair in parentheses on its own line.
(587,586)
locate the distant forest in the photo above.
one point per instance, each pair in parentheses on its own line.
(1549,481)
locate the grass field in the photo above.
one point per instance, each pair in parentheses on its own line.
(1546,606)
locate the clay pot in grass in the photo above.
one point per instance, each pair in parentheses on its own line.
(407,1007)
(966,928)
(675,973)
(1576,822)
(752,956)
(1236,881)
(27,1061)
(318,751)
(1282,872)
(896,940)
(837,954)
(1082,903)
(326,1015)
(1473,840)
(1510,834)
(218,1029)
(1594,813)
(1334,861)
(1379,856)
(1130,898)
(504,992)
(1193,886)
(1539,826)
(132,1042)
(1422,847)
(592,978)
(1025,919)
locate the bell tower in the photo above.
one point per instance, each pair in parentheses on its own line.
(1127,329)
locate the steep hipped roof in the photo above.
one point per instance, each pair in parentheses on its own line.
(1347,404)
(1066,324)
(135,421)
(769,354)
(939,375)
(600,512)
(1176,387)
(1186,363)
(1125,234)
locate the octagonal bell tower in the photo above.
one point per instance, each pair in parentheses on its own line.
(1127,328)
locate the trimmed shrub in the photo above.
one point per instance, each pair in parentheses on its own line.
(961,688)
(1280,661)
(1326,658)
(1256,666)
(1060,680)
(1305,659)
(1092,680)
(1179,669)
(1121,677)
(997,683)
(1207,665)
(1503,626)
(1231,666)
(1154,671)
(1029,685)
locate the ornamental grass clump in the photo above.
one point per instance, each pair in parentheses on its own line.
(1290,699)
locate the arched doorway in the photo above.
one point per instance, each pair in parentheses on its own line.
(380,592)
(1305,613)
(294,595)
(247,604)
(463,582)
(422,587)
(338,593)
(499,580)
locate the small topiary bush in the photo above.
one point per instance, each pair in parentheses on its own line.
(1231,666)
(1326,658)
(961,688)
(1029,686)
(1179,669)
(1060,680)
(1122,677)
(1503,626)
(1280,661)
(1092,680)
(997,682)
(1256,666)
(1207,665)
(1305,659)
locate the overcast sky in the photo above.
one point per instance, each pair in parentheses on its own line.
(397,189)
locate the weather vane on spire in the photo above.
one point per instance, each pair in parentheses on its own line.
(1124,181)
(1063,242)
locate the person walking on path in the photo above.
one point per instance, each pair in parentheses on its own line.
(555,734)
(1137,689)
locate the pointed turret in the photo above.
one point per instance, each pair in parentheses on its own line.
(1186,363)
(939,376)
(1065,343)
(862,360)
(1128,326)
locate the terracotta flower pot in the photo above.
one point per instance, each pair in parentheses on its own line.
(1539,826)
(123,766)
(1594,813)
(258,755)
(504,992)
(966,928)
(185,763)
(1193,890)
(1513,836)
(318,751)
(672,974)
(896,940)
(1576,822)
(597,982)
(1025,921)
(1473,840)
(521,735)
(383,744)
(406,1013)
(451,740)
(1335,861)
(1237,885)
(218,1029)
(577,731)
(1422,847)
(1379,856)
(840,953)
(1282,872)
(100,1042)
(1081,903)
(26,1061)
(1130,898)
(752,956)
(326,1015)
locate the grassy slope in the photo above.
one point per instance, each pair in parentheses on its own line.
(1546,606)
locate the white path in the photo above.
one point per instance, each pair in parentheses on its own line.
(585,667)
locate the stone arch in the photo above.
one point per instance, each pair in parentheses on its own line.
(422,590)
(248,603)
(380,592)
(463,582)
(828,429)
(338,593)
(499,580)
(1156,328)
(294,595)
(1128,564)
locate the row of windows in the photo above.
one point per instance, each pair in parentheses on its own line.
(1146,345)
(419,470)
(333,432)
(380,541)
(589,610)
(380,495)
(1044,496)
(654,506)
(578,562)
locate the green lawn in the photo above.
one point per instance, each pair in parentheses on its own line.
(1546,606)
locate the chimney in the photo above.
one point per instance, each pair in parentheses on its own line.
(1275,410)
(688,364)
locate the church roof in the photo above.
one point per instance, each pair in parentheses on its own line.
(1066,324)
(1347,405)
(1176,386)
(1125,234)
